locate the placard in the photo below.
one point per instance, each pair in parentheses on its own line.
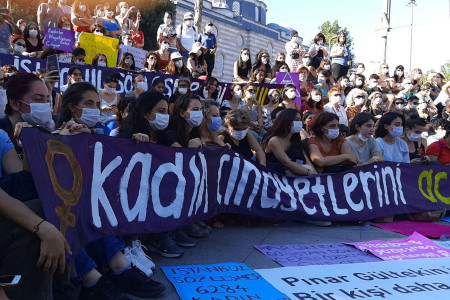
(59,39)
(430,229)
(138,54)
(285,78)
(94,44)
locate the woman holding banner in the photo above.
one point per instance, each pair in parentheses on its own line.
(212,123)
(127,62)
(284,151)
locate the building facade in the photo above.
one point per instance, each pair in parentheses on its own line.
(237,24)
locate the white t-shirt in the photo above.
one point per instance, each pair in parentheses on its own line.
(341,113)
(397,152)
(187,37)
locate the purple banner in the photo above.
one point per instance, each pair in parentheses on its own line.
(285,78)
(93,186)
(96,75)
(59,39)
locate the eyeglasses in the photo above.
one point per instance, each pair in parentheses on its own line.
(251,91)
(265,56)
(359,97)
(166,43)
(19,44)
(398,103)
(416,103)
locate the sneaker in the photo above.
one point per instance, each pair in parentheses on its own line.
(135,261)
(134,283)
(181,239)
(195,231)
(203,225)
(104,289)
(138,250)
(165,246)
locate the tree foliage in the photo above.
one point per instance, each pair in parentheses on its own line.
(445,69)
(331,29)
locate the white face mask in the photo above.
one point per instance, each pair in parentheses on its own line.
(167,21)
(250,95)
(440,133)
(358,82)
(98,33)
(67,28)
(142,86)
(283,70)
(327,67)
(195,118)
(437,80)
(359,101)
(399,106)
(110,13)
(189,23)
(399,73)
(316,98)
(20,49)
(264,61)
(414,137)
(239,134)
(298,125)
(294,39)
(83,7)
(417,76)
(208,29)
(360,70)
(110,90)
(22,28)
(79,62)
(378,100)
(290,94)
(160,122)
(238,94)
(413,106)
(373,85)
(245,57)
(89,116)
(335,99)
(164,46)
(182,91)
(306,61)
(362,138)
(33,32)
(178,63)
(128,61)
(101,64)
(40,113)
(332,133)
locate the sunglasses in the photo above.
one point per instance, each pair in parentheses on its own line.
(252,91)
(19,44)
(398,103)
(265,56)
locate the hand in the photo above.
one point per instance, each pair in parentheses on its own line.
(73,128)
(228,145)
(3,295)
(195,143)
(138,15)
(53,248)
(213,51)
(351,159)
(141,138)
(51,77)
(18,130)
(375,159)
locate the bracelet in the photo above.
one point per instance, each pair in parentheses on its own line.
(36,228)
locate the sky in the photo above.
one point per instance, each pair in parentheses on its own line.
(431,33)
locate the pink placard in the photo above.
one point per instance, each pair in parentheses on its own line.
(414,247)
(429,229)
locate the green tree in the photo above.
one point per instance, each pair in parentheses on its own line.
(445,69)
(330,30)
(27,12)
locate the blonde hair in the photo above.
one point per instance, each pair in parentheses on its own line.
(237,116)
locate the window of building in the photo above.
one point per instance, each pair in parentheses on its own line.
(218,66)
(236,9)
(257,14)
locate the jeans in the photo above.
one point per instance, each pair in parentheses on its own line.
(210,61)
(19,185)
(185,55)
(96,253)
(338,71)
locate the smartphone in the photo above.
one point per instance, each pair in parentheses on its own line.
(53,63)
(9,280)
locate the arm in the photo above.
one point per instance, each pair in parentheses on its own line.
(347,150)
(256,147)
(322,162)
(235,68)
(260,118)
(275,146)
(11,162)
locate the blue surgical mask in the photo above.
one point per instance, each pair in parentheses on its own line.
(396,131)
(321,80)
(216,123)
(332,133)
(195,118)
(298,125)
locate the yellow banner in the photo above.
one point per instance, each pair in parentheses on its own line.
(94,44)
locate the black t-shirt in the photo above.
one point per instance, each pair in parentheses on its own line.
(162,138)
(243,147)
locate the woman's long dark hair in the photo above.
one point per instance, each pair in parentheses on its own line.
(360,119)
(313,104)
(178,123)
(258,62)
(73,95)
(282,126)
(136,121)
(248,62)
(206,84)
(387,119)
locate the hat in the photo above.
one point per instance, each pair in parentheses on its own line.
(188,15)
(293,32)
(175,55)
(197,46)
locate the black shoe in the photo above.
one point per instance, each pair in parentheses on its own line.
(133,282)
(181,239)
(165,246)
(195,231)
(104,289)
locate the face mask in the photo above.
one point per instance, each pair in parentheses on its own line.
(160,122)
(378,100)
(245,58)
(362,138)
(327,67)
(110,13)
(359,101)
(385,70)
(399,106)
(189,23)
(283,70)
(321,80)
(396,132)
(89,116)
(335,99)
(167,21)
(195,119)
(298,125)
(358,82)
(294,39)
(83,7)
(110,90)
(250,95)
(205,93)
(413,106)
(290,94)
(316,98)
(40,113)
(238,94)
(22,28)
(20,49)
(128,61)
(440,133)
(101,64)
(373,85)
(100,14)
(164,46)
(239,134)
(417,76)
(332,133)
(422,106)
(79,62)
(360,70)
(33,32)
(306,61)
(123,10)
(399,73)
(179,64)
(216,123)
(182,91)
(437,80)
(275,99)
(264,61)
(142,86)
(414,137)
(67,28)
(208,29)
(320,42)
(98,33)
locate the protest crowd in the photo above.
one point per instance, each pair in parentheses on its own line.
(344,120)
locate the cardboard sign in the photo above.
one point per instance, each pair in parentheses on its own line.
(59,39)
(290,78)
(94,44)
(138,54)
